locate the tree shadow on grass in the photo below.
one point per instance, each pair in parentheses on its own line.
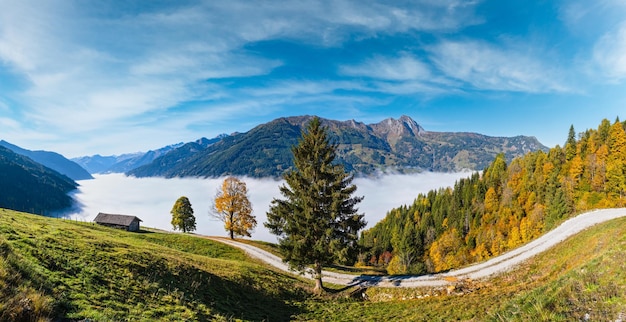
(244,297)
(395,280)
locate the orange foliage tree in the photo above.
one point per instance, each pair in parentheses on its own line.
(232,207)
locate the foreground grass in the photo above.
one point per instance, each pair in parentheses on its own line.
(51,269)
(583,278)
(55,269)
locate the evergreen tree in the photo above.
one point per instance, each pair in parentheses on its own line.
(317,222)
(182,215)
(570,145)
(407,247)
(233,208)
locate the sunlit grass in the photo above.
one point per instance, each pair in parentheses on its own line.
(52,268)
(582,278)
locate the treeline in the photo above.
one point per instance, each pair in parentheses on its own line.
(504,206)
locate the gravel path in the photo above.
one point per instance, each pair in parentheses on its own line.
(493,266)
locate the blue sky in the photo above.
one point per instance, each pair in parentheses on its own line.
(110,77)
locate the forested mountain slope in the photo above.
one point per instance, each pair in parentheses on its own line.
(392,145)
(51,160)
(29,186)
(504,206)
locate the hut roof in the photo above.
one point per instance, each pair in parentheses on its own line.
(122,220)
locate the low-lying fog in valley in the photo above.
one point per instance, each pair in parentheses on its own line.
(151,199)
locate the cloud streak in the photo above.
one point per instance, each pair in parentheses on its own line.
(402,68)
(609,54)
(487,66)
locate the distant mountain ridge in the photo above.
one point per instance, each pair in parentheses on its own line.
(51,160)
(26,185)
(399,145)
(126,162)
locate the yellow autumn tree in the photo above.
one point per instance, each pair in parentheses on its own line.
(491,200)
(616,163)
(232,207)
(445,250)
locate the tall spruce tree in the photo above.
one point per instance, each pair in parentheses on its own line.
(317,222)
(570,145)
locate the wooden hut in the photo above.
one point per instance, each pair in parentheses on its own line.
(130,223)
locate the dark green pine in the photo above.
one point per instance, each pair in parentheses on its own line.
(317,222)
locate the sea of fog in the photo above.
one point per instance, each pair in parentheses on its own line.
(151,199)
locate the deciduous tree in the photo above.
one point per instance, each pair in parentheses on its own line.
(232,206)
(317,223)
(182,215)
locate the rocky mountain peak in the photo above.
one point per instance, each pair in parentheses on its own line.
(404,126)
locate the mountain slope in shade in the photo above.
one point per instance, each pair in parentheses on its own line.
(26,185)
(52,160)
(399,145)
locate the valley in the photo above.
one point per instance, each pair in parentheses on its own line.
(312,161)
(152,198)
(430,249)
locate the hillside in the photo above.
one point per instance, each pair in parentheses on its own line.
(53,268)
(58,269)
(391,145)
(51,160)
(581,279)
(508,205)
(480,271)
(29,186)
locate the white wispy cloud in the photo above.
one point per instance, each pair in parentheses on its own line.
(486,66)
(93,68)
(600,27)
(403,68)
(609,54)
(9,124)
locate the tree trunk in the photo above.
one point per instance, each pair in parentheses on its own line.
(319,287)
(231,216)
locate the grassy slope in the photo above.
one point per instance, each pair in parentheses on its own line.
(585,275)
(52,268)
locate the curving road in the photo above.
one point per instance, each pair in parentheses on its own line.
(493,266)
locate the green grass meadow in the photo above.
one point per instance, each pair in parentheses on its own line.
(56,270)
(51,268)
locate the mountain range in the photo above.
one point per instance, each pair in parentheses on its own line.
(393,145)
(51,160)
(121,163)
